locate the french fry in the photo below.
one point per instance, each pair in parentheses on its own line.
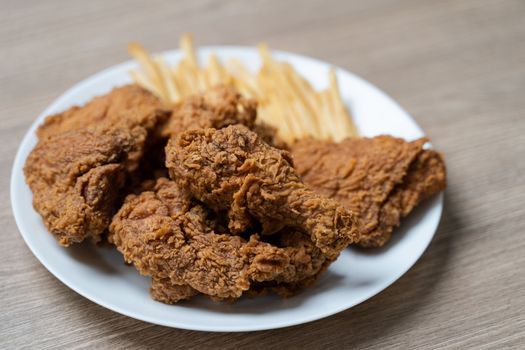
(341,111)
(265,55)
(201,79)
(337,118)
(152,71)
(281,114)
(190,77)
(171,89)
(142,80)
(286,100)
(327,112)
(243,79)
(215,76)
(180,78)
(186,45)
(305,95)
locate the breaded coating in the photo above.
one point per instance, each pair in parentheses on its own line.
(426,177)
(306,260)
(216,108)
(381,179)
(75,178)
(308,264)
(164,290)
(85,155)
(124,107)
(232,170)
(171,238)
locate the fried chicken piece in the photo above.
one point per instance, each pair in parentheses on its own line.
(83,158)
(124,107)
(75,178)
(164,290)
(426,177)
(217,108)
(232,170)
(381,179)
(268,134)
(306,260)
(171,238)
(308,264)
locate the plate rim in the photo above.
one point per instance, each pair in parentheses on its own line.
(19,161)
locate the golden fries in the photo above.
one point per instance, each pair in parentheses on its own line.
(286,100)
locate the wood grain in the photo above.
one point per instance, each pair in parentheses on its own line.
(457,66)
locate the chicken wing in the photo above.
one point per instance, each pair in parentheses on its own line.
(381,179)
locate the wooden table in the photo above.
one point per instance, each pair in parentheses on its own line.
(457,66)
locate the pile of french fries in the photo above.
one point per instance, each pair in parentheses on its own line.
(286,100)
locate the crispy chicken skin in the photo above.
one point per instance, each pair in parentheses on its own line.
(124,107)
(172,238)
(75,178)
(216,108)
(381,179)
(83,158)
(426,177)
(164,290)
(232,170)
(236,217)
(308,263)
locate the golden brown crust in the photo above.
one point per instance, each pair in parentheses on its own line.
(124,107)
(83,157)
(171,238)
(381,179)
(426,176)
(197,234)
(217,108)
(232,170)
(164,290)
(75,178)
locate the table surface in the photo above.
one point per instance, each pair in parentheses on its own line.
(457,66)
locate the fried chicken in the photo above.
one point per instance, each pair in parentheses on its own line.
(217,108)
(75,178)
(232,170)
(381,179)
(83,158)
(172,238)
(307,264)
(125,107)
(426,177)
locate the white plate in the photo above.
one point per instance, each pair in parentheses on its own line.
(100,274)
